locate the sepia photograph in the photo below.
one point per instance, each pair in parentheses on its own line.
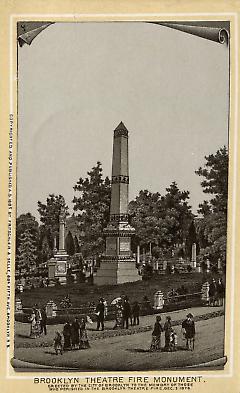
(121,195)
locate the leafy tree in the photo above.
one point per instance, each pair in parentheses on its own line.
(144,216)
(161,220)
(178,213)
(92,206)
(49,216)
(204,208)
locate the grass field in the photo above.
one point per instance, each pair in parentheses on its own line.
(84,293)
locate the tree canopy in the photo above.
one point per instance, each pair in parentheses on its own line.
(212,227)
(161,220)
(92,204)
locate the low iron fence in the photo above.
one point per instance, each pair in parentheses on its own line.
(170,303)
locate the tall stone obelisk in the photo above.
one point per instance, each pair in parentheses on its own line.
(118,266)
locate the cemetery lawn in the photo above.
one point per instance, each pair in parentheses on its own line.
(84,293)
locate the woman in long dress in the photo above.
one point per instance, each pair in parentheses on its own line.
(156,335)
(84,343)
(119,315)
(34,332)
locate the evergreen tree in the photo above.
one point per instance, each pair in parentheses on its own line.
(212,226)
(27,252)
(92,206)
(76,245)
(69,244)
(27,222)
(46,251)
(215,174)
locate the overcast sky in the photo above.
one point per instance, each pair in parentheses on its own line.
(77,81)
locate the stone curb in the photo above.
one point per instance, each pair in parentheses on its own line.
(128,332)
(21,365)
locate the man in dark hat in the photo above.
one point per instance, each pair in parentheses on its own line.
(212,292)
(126,312)
(44,321)
(188,328)
(100,314)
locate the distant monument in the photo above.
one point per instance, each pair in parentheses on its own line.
(57,266)
(117,265)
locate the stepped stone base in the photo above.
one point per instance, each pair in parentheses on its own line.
(116,272)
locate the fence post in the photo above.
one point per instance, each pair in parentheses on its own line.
(51,309)
(18,306)
(158,300)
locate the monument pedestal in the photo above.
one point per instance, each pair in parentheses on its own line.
(57,268)
(61,266)
(116,272)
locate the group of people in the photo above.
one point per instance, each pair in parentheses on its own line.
(38,320)
(125,314)
(216,292)
(74,336)
(188,331)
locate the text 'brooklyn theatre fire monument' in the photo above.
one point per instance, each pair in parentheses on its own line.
(117,265)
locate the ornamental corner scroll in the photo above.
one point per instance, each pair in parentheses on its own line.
(210,30)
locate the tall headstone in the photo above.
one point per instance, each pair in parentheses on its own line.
(207,266)
(118,266)
(138,255)
(194,255)
(219,264)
